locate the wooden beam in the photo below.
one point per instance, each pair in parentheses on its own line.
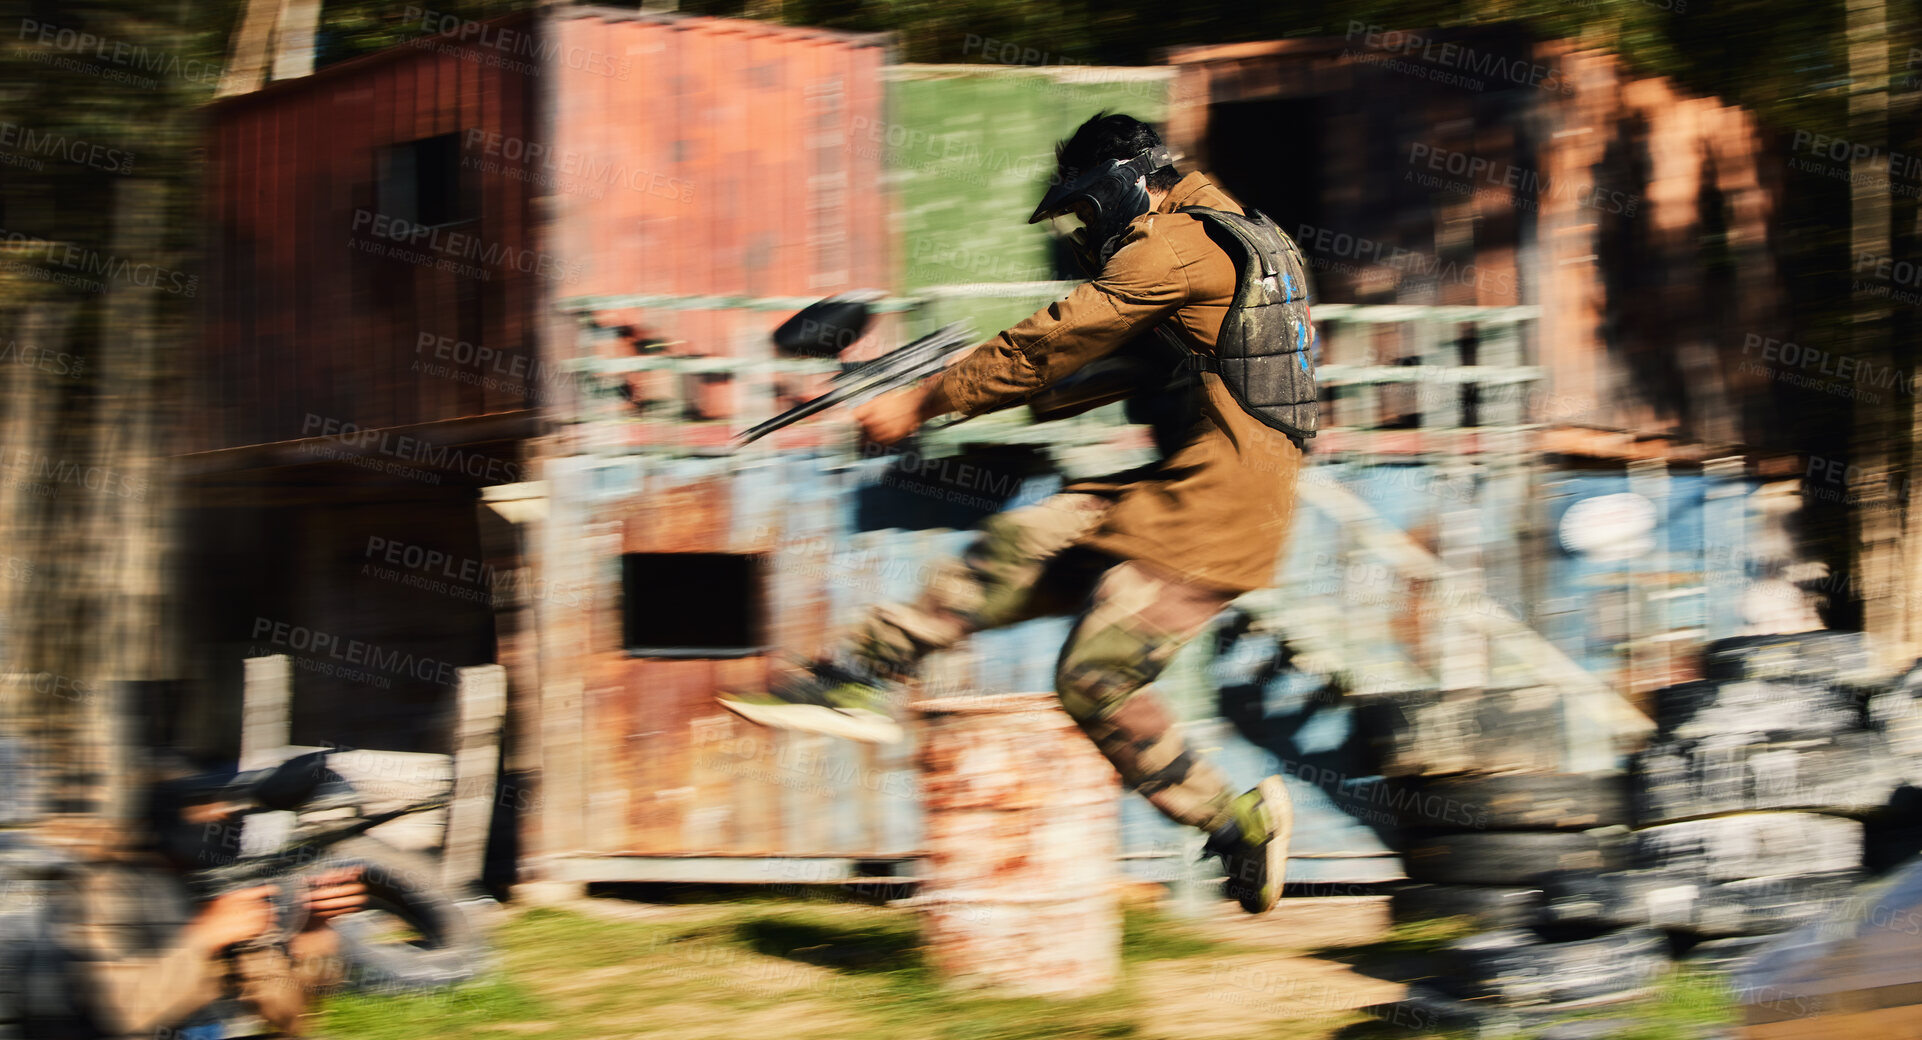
(482,702)
(265,700)
(1546,660)
(294,38)
(246,69)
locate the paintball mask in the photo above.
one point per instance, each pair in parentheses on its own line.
(1091,208)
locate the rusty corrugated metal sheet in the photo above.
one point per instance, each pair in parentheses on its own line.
(672,774)
(307,316)
(712,158)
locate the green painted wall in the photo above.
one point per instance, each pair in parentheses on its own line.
(970,149)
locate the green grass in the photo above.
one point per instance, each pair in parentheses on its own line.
(825,970)
(1684,1006)
(1147,934)
(1406,938)
(456,1013)
(861,966)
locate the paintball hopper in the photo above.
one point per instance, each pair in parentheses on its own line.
(828,326)
(292,783)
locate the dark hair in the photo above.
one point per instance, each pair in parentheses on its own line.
(1111,136)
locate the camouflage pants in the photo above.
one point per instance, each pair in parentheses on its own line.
(1131,618)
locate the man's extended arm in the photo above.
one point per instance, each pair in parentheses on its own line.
(1143,283)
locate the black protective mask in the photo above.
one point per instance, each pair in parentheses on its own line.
(191,846)
(1106,198)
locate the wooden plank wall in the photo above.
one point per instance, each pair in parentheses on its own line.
(301,318)
(1641,337)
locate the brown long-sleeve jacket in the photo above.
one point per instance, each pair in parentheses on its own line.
(1217,509)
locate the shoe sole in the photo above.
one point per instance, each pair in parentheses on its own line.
(866,727)
(1274,794)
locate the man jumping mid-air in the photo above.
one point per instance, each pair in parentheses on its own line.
(1144,558)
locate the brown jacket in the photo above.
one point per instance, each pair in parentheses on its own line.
(1217,509)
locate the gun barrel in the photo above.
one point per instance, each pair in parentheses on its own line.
(939,341)
(897,368)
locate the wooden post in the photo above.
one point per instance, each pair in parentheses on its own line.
(267,695)
(275,40)
(1462,652)
(294,38)
(1650,652)
(563,640)
(1023,828)
(1880,432)
(482,701)
(247,60)
(1725,542)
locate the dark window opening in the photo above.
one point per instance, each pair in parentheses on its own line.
(1268,155)
(693,604)
(422,182)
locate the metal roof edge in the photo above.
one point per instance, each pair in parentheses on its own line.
(340,70)
(743,25)
(343,69)
(1201,53)
(1070,73)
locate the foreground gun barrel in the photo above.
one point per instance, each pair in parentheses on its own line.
(936,343)
(893,370)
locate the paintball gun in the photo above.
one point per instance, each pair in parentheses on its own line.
(824,328)
(410,936)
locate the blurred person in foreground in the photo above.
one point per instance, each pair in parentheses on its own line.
(1144,558)
(139,958)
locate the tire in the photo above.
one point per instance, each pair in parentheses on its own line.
(1517,968)
(1829,656)
(1722,708)
(403,889)
(1890,841)
(1687,906)
(1724,955)
(1489,906)
(1766,906)
(1897,715)
(1509,801)
(1751,845)
(1514,858)
(1615,899)
(1480,732)
(1851,774)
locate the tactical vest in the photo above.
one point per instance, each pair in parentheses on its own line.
(1266,351)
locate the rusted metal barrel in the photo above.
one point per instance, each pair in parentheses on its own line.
(1023,829)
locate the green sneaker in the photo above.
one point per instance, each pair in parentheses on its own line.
(1253,845)
(839,702)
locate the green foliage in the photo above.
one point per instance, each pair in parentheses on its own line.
(354,28)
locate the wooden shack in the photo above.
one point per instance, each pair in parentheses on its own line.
(490,306)
(1479,165)
(374,396)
